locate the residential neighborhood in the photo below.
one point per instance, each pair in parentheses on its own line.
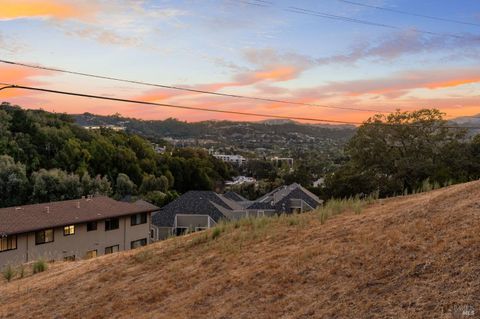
(98,225)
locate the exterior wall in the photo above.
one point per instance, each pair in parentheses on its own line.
(77,244)
(161,233)
(193,221)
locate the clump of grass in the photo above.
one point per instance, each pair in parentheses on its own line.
(143,256)
(39,266)
(8,273)
(199,239)
(337,206)
(323,216)
(21,271)
(216,232)
(293,221)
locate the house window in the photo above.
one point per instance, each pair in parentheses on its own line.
(69,230)
(8,243)
(91,226)
(111,224)
(138,219)
(112,249)
(44,236)
(69,258)
(138,243)
(91,254)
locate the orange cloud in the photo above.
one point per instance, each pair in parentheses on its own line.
(283,73)
(15,9)
(14,75)
(451,83)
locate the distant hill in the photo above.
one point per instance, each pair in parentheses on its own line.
(406,257)
(269,137)
(469,121)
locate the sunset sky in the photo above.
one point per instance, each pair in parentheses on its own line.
(235,46)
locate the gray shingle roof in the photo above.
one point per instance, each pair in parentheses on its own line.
(193,202)
(279,198)
(235,197)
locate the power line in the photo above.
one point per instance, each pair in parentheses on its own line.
(330,16)
(99,97)
(12,86)
(189,90)
(366,22)
(413,14)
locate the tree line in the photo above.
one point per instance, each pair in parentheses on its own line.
(46,156)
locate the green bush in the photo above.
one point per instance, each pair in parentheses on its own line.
(8,273)
(216,232)
(39,266)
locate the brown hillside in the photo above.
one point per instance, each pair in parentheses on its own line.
(408,257)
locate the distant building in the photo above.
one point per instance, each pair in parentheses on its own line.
(287,160)
(112,127)
(72,229)
(199,210)
(159,149)
(239,180)
(233,159)
(319,182)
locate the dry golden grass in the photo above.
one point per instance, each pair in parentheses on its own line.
(407,257)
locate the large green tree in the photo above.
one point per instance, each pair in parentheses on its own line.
(14,185)
(399,151)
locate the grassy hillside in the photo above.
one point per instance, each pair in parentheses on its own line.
(408,257)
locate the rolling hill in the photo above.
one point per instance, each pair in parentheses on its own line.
(414,256)
(270,137)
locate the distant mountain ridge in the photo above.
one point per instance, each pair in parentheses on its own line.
(271,136)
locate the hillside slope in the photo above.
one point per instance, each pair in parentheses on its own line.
(408,257)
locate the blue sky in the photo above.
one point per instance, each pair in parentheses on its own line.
(236,47)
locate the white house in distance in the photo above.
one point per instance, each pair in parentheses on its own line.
(233,159)
(240,180)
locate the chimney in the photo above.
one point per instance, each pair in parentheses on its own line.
(47,209)
(78,204)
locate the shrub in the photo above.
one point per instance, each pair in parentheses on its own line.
(216,232)
(39,266)
(8,273)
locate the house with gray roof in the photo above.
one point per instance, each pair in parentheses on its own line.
(198,210)
(289,199)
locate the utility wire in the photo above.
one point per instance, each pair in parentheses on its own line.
(174,106)
(365,22)
(330,16)
(413,14)
(99,97)
(187,89)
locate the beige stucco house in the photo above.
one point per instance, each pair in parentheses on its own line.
(73,229)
